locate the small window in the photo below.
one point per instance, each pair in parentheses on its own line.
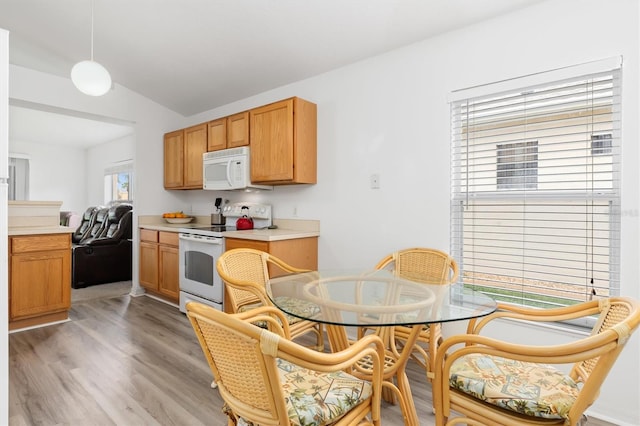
(601,144)
(118,183)
(517,165)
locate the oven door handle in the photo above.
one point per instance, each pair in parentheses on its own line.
(214,240)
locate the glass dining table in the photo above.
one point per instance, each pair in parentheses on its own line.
(379,301)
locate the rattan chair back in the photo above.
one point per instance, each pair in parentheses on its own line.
(423,265)
(245,273)
(243,357)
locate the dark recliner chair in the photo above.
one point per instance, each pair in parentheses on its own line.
(103,255)
(88,218)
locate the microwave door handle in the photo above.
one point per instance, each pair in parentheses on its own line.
(229,173)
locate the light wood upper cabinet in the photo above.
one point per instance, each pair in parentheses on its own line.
(228,132)
(195,144)
(174,159)
(282,137)
(284,143)
(217,137)
(238,130)
(183,151)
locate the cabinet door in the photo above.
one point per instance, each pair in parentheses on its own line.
(299,252)
(149,265)
(40,283)
(272,142)
(173,159)
(238,130)
(169,284)
(195,144)
(217,135)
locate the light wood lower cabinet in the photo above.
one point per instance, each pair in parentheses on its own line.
(39,279)
(300,252)
(159,267)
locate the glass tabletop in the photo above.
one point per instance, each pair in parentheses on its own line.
(373,298)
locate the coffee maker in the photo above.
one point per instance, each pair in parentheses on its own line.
(217,218)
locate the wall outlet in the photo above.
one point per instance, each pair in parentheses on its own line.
(295,211)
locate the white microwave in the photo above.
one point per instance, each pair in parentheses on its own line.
(228,169)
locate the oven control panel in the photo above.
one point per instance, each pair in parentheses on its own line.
(256,211)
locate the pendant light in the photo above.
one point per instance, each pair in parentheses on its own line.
(90,77)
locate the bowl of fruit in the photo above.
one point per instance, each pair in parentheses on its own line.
(177,217)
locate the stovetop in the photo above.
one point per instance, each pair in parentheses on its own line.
(209,231)
(214,228)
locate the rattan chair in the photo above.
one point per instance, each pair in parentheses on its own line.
(245,273)
(427,266)
(491,382)
(266,379)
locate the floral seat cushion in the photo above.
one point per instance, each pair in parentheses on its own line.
(314,398)
(527,388)
(303,308)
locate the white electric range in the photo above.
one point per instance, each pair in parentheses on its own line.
(200,248)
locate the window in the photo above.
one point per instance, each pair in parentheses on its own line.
(518,165)
(118,183)
(601,144)
(535,213)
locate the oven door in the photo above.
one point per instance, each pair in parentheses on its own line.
(198,257)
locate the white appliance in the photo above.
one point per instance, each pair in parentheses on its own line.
(228,169)
(201,246)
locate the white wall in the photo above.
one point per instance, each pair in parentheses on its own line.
(99,158)
(389,115)
(56,173)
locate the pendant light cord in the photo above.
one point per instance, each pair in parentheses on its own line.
(92,3)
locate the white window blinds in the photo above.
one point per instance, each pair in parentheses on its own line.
(535,190)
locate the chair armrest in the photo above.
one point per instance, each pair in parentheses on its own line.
(284,266)
(370,345)
(532,314)
(103,242)
(275,319)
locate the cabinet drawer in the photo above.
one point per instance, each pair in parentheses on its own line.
(169,238)
(33,243)
(234,243)
(149,235)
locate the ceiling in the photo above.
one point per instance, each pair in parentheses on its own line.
(194,55)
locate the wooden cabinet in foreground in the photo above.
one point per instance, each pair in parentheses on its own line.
(39,279)
(183,151)
(284,143)
(159,272)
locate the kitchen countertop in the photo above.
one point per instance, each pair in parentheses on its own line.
(36,230)
(288,229)
(270,234)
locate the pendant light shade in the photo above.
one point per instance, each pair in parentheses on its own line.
(90,77)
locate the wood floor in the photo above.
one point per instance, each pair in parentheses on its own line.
(128,361)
